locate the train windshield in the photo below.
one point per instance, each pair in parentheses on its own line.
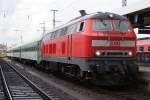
(102,25)
(122,26)
(106,25)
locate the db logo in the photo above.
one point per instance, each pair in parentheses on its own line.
(115,43)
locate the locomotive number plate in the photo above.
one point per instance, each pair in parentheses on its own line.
(115,43)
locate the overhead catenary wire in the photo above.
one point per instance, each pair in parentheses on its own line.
(69,5)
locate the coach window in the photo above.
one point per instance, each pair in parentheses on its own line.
(148,48)
(141,48)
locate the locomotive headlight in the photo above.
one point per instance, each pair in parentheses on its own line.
(130,53)
(110,15)
(98,53)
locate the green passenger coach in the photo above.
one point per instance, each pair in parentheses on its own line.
(28,51)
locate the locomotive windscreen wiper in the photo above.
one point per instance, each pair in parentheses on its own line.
(102,25)
(119,23)
(103,22)
(122,26)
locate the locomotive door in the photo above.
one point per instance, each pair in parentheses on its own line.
(69,46)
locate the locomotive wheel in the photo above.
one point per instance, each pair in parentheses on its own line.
(133,71)
(71,70)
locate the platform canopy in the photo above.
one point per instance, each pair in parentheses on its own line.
(138,13)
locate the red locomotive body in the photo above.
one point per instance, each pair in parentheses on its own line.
(98,47)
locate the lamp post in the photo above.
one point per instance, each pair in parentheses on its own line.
(21,42)
(124,3)
(54,20)
(43,28)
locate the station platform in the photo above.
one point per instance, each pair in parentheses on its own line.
(144,75)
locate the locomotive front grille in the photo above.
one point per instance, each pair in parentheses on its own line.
(107,43)
(114,53)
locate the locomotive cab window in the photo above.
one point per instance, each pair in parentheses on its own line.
(122,26)
(102,25)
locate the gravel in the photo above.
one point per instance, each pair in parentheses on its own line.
(63,89)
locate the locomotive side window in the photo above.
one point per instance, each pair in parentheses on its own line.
(53,35)
(71,29)
(44,38)
(102,25)
(122,26)
(63,31)
(81,26)
(141,48)
(49,36)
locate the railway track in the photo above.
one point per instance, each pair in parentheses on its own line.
(2,95)
(86,90)
(15,86)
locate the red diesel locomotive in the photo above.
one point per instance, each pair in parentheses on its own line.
(100,47)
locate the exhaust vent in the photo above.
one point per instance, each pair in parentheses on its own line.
(83,12)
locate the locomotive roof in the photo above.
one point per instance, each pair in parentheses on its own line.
(106,15)
(98,15)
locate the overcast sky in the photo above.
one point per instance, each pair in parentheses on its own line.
(23,17)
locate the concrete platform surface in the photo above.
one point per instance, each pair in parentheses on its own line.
(144,69)
(144,75)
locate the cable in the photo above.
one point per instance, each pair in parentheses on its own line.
(73,2)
